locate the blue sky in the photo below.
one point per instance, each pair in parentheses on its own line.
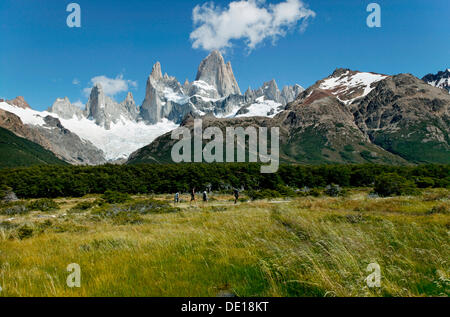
(40,56)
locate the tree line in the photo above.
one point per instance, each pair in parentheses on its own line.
(75,181)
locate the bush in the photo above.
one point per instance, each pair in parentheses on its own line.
(14,208)
(7,194)
(113,197)
(424,182)
(263,194)
(442,182)
(43,204)
(315,192)
(134,208)
(124,218)
(334,190)
(439,209)
(82,206)
(4,191)
(392,184)
(25,232)
(285,190)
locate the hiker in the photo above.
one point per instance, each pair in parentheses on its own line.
(236,195)
(177,198)
(205,196)
(192,195)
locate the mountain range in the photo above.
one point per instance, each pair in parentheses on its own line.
(108,131)
(350,116)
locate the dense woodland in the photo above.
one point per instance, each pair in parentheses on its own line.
(75,181)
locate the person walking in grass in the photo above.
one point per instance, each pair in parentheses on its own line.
(205,196)
(192,196)
(236,195)
(176,199)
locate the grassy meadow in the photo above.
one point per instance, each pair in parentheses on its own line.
(303,246)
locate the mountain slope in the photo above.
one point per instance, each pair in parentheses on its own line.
(16,151)
(322,130)
(440,80)
(349,117)
(46,129)
(409,118)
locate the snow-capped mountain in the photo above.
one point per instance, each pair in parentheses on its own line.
(107,130)
(214,91)
(440,80)
(115,142)
(348,85)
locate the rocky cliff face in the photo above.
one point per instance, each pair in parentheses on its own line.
(440,80)
(130,106)
(69,146)
(63,108)
(163,96)
(14,124)
(407,117)
(105,111)
(214,72)
(54,137)
(19,102)
(215,91)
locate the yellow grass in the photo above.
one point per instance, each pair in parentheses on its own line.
(300,247)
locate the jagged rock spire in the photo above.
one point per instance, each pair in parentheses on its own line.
(216,73)
(63,108)
(156,71)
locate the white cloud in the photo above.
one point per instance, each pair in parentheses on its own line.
(111,86)
(250,20)
(75,81)
(78,104)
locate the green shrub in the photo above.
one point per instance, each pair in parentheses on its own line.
(285,190)
(119,212)
(424,182)
(439,209)
(43,204)
(124,218)
(25,232)
(315,192)
(349,148)
(82,206)
(334,190)
(14,208)
(100,202)
(4,191)
(263,194)
(392,184)
(367,155)
(442,182)
(113,197)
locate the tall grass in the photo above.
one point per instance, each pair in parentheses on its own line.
(304,247)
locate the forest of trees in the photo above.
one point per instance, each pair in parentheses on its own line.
(75,181)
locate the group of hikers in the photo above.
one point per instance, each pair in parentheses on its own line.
(204,196)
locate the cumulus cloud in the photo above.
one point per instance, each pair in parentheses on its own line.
(111,86)
(252,21)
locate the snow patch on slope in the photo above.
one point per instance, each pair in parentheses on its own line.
(347,83)
(262,108)
(118,142)
(172,96)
